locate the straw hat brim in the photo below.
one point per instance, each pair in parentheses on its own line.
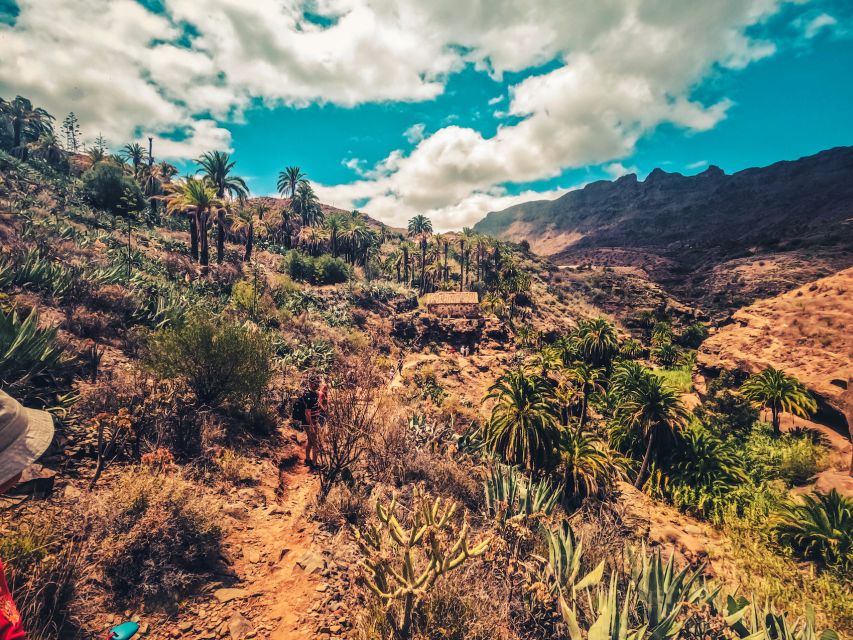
(29,446)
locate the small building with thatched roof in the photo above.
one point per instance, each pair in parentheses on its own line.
(452,304)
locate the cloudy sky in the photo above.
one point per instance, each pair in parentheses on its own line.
(442,107)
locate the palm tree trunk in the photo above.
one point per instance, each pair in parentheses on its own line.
(204,244)
(639,481)
(775,420)
(462,265)
(406,265)
(250,238)
(194,236)
(423,265)
(584,402)
(220,240)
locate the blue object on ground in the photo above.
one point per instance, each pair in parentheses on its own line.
(124,631)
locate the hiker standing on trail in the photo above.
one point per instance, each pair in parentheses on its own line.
(311,412)
(25,434)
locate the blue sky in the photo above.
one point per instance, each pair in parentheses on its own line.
(434,107)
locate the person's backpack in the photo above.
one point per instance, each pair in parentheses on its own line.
(300,410)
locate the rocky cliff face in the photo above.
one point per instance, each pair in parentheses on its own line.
(699,235)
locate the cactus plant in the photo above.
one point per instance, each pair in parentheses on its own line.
(511,497)
(401,565)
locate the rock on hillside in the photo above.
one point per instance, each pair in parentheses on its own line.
(805,332)
(679,228)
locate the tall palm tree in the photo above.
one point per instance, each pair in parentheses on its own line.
(775,390)
(216,168)
(523,428)
(651,407)
(196,198)
(420,227)
(288,181)
(27,123)
(47,148)
(135,155)
(335,223)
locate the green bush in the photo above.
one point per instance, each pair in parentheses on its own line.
(158,538)
(322,270)
(821,528)
(105,186)
(727,413)
(788,458)
(220,361)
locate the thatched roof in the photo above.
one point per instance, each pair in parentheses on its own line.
(451,297)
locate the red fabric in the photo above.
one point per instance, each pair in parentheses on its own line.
(10,619)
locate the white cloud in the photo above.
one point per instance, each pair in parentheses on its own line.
(617,170)
(698,164)
(818,24)
(415,133)
(624,67)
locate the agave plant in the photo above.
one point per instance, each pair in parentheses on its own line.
(27,352)
(662,592)
(754,622)
(38,273)
(821,528)
(511,497)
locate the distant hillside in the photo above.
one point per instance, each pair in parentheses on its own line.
(695,233)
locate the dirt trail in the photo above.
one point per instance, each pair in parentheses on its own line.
(278,557)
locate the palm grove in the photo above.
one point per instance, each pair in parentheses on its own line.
(573,415)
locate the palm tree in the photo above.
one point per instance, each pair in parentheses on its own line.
(588,465)
(523,428)
(288,181)
(307,205)
(248,219)
(216,167)
(597,341)
(96,155)
(196,198)
(335,223)
(821,528)
(775,390)
(420,227)
(651,407)
(588,380)
(27,123)
(47,148)
(135,155)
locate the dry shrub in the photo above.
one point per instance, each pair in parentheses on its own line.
(158,537)
(234,467)
(472,604)
(390,451)
(344,506)
(356,403)
(162,413)
(112,298)
(86,324)
(43,563)
(446,477)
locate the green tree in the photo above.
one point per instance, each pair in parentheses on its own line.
(197,199)
(135,155)
(105,186)
(649,407)
(524,426)
(288,181)
(27,123)
(216,168)
(588,380)
(420,227)
(71,131)
(775,390)
(306,204)
(597,341)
